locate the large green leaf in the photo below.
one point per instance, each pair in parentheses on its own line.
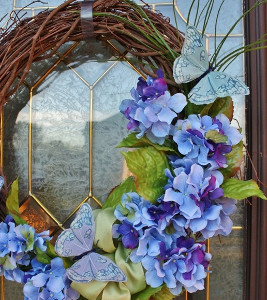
(131,141)
(12,203)
(148,166)
(114,198)
(234,160)
(219,106)
(239,189)
(147,293)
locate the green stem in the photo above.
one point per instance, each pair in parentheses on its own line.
(238,51)
(189,12)
(197,12)
(202,11)
(216,53)
(207,16)
(215,27)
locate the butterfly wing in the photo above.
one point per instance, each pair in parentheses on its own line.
(216,85)
(194,60)
(94,266)
(104,269)
(79,238)
(81,271)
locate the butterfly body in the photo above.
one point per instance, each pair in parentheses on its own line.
(193,63)
(77,241)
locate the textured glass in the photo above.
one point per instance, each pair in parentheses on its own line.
(15,145)
(60,161)
(226,280)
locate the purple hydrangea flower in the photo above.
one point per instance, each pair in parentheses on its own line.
(130,236)
(152,88)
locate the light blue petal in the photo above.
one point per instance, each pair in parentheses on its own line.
(213,212)
(55,284)
(40,279)
(148,262)
(198,224)
(177,102)
(171,195)
(166,115)
(200,273)
(189,207)
(149,112)
(196,176)
(160,129)
(152,279)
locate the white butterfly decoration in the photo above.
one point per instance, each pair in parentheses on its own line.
(79,240)
(194,63)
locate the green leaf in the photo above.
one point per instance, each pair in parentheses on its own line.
(192,108)
(41,256)
(219,106)
(51,250)
(146,293)
(131,141)
(239,189)
(234,161)
(114,198)
(148,166)
(216,137)
(12,203)
(163,294)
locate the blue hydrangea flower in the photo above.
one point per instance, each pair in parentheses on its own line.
(191,136)
(50,283)
(132,209)
(152,109)
(16,242)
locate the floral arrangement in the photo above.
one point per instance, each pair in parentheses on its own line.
(149,239)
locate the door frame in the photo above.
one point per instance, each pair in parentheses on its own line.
(255,243)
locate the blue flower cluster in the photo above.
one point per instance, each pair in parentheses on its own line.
(168,237)
(152,109)
(158,236)
(18,263)
(196,138)
(48,282)
(16,243)
(161,236)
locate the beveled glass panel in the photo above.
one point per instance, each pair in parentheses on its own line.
(60,142)
(109,127)
(15,139)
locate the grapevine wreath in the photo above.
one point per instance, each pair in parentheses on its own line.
(148,239)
